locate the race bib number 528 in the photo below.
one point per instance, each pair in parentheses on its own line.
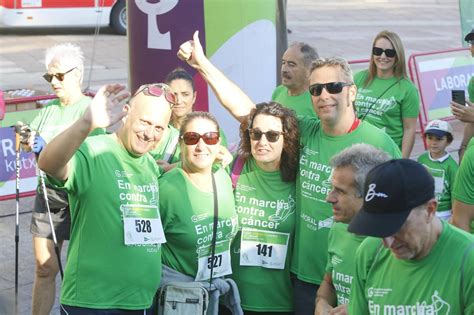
(142,225)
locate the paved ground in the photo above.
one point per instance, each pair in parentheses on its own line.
(337,27)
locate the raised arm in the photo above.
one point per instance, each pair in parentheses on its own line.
(105,109)
(230,95)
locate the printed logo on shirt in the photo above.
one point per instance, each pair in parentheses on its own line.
(283,210)
(377,106)
(335,260)
(314,177)
(309,151)
(204,231)
(122,173)
(377,292)
(254,212)
(244,188)
(436,306)
(199,217)
(314,224)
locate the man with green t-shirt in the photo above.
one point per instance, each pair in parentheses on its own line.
(350,168)
(114,255)
(332,93)
(414,263)
(293,91)
(65,68)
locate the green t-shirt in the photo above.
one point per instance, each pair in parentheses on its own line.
(464,184)
(400,100)
(261,259)
(108,188)
(313,183)
(188,218)
(168,148)
(55,118)
(342,246)
(383,284)
(470,89)
(444,172)
(301,104)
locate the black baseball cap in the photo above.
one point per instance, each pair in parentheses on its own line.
(391,190)
(469,36)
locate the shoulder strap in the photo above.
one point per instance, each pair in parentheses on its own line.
(236,170)
(372,105)
(214,229)
(171,150)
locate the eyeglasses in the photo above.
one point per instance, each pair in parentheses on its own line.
(159,90)
(191,138)
(272,136)
(332,87)
(390,53)
(59,76)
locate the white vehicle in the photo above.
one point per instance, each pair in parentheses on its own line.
(64,13)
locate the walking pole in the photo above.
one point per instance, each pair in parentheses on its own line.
(17,217)
(53,232)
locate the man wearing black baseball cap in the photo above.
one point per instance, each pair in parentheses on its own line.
(422,265)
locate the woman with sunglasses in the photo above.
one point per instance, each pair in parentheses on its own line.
(167,153)
(265,202)
(187,206)
(386,97)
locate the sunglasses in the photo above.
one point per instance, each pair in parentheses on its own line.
(59,76)
(332,87)
(390,53)
(271,136)
(192,138)
(158,90)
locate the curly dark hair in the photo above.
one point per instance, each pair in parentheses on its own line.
(291,145)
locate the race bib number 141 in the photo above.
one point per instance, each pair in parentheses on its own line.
(263,248)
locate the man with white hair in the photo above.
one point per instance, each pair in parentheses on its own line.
(65,70)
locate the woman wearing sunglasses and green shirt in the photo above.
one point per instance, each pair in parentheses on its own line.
(167,152)
(385,96)
(264,174)
(187,206)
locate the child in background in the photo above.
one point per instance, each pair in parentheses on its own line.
(438,135)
